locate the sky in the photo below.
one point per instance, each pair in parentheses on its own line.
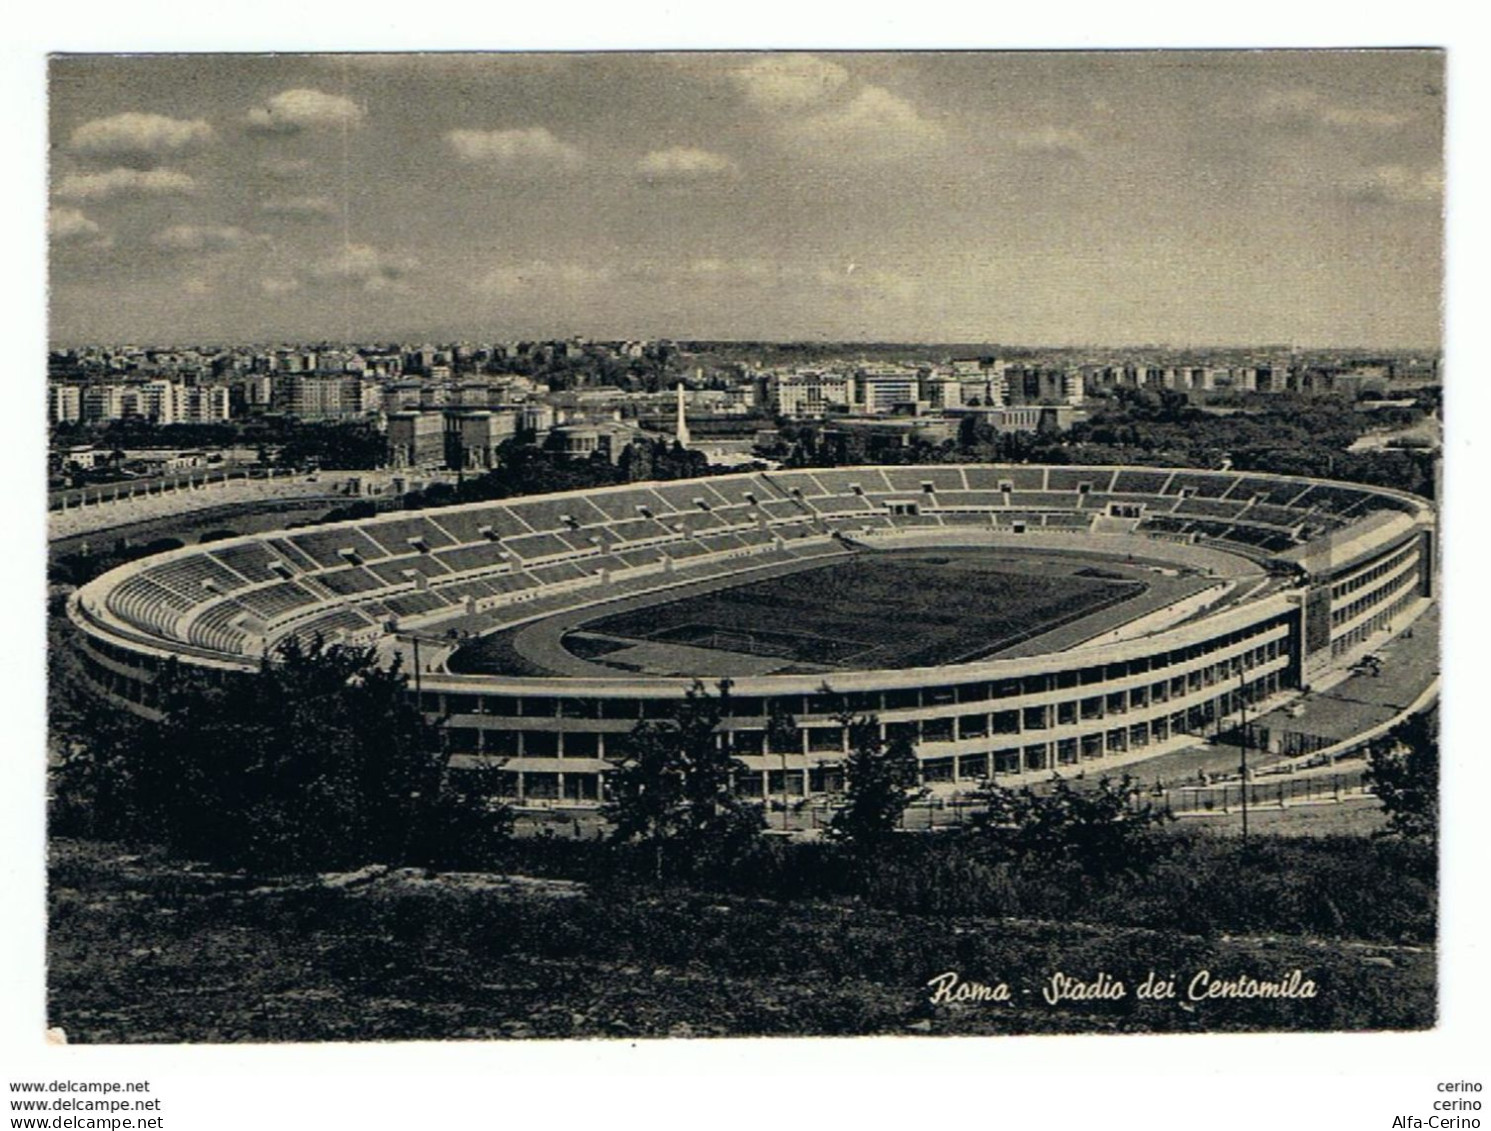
(1117,198)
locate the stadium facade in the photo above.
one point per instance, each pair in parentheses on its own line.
(1292,578)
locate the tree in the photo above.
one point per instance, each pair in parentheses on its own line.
(1100,829)
(670,788)
(319,760)
(880,783)
(1404,772)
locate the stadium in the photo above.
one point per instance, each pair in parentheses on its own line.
(1010,621)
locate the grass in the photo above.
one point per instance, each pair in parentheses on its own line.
(947,608)
(142,949)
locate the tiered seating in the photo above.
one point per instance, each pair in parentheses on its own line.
(192,576)
(355,576)
(1272,490)
(1260,537)
(141,601)
(1208,508)
(972,499)
(1072,478)
(1068,521)
(292,557)
(484,555)
(349,581)
(325,547)
(531,547)
(416,603)
(397,571)
(328,624)
(1199,483)
(559,571)
(249,560)
(1165,524)
(399,535)
(1130,482)
(1049,500)
(1274,516)
(1335,500)
(271,601)
(215,629)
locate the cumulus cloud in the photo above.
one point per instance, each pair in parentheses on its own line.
(873,125)
(361,265)
(1302,109)
(684,163)
(534,147)
(134,136)
(789,82)
(286,168)
(124,182)
(300,207)
(70,224)
(1049,139)
(817,108)
(1396,184)
(203,237)
(291,111)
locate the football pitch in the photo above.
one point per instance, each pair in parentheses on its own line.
(880,610)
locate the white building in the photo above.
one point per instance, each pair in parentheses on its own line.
(64,404)
(810,392)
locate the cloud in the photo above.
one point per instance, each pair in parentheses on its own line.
(124,182)
(513,280)
(534,147)
(203,237)
(363,266)
(542,278)
(874,125)
(1304,109)
(789,82)
(1049,139)
(300,207)
(683,163)
(292,111)
(272,285)
(286,168)
(1395,184)
(67,225)
(132,136)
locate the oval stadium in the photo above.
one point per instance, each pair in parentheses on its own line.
(1009,620)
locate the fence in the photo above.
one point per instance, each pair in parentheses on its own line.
(1279,794)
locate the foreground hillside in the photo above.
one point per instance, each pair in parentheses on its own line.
(143,950)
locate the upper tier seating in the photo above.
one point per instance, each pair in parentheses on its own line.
(354,576)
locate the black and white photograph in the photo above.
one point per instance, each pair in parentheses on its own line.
(646,545)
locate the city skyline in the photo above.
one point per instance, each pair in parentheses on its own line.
(1195,198)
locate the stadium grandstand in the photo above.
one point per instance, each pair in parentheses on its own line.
(1156,602)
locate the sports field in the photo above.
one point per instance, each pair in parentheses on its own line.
(881,610)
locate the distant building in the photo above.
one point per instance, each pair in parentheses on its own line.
(581,441)
(64,404)
(881,389)
(416,440)
(204,404)
(319,396)
(1029,385)
(479,434)
(810,392)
